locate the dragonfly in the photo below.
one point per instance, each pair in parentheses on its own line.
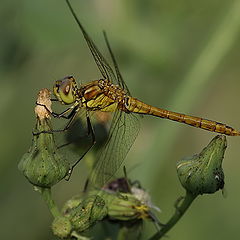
(111,94)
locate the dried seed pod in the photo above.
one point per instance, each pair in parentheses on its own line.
(43,165)
(203,173)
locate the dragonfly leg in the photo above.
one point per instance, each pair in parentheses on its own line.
(62,114)
(127,180)
(71,116)
(58,115)
(86,185)
(92,134)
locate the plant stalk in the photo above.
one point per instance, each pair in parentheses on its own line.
(179,212)
(47,197)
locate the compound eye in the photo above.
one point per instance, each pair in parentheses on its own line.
(65,86)
(57,85)
(64,90)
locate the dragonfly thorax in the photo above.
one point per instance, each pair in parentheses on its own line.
(93,89)
(102,95)
(113,91)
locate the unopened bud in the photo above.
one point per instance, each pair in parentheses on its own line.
(90,210)
(203,173)
(43,165)
(62,227)
(71,204)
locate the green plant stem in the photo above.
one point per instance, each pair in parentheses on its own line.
(47,197)
(180,210)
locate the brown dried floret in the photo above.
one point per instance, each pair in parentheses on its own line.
(43,110)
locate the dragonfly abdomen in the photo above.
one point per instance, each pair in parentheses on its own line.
(136,106)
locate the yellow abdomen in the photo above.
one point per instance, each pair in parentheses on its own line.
(136,106)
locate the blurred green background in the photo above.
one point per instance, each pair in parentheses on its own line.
(177,54)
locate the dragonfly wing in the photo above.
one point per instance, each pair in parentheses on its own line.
(102,64)
(120,80)
(122,134)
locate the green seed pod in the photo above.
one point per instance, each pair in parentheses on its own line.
(43,165)
(62,227)
(79,214)
(203,173)
(71,204)
(84,212)
(87,213)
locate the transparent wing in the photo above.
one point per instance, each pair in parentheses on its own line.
(120,80)
(124,128)
(123,132)
(102,64)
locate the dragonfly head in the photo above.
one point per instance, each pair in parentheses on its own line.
(65,90)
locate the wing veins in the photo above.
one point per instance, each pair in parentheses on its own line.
(120,80)
(102,65)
